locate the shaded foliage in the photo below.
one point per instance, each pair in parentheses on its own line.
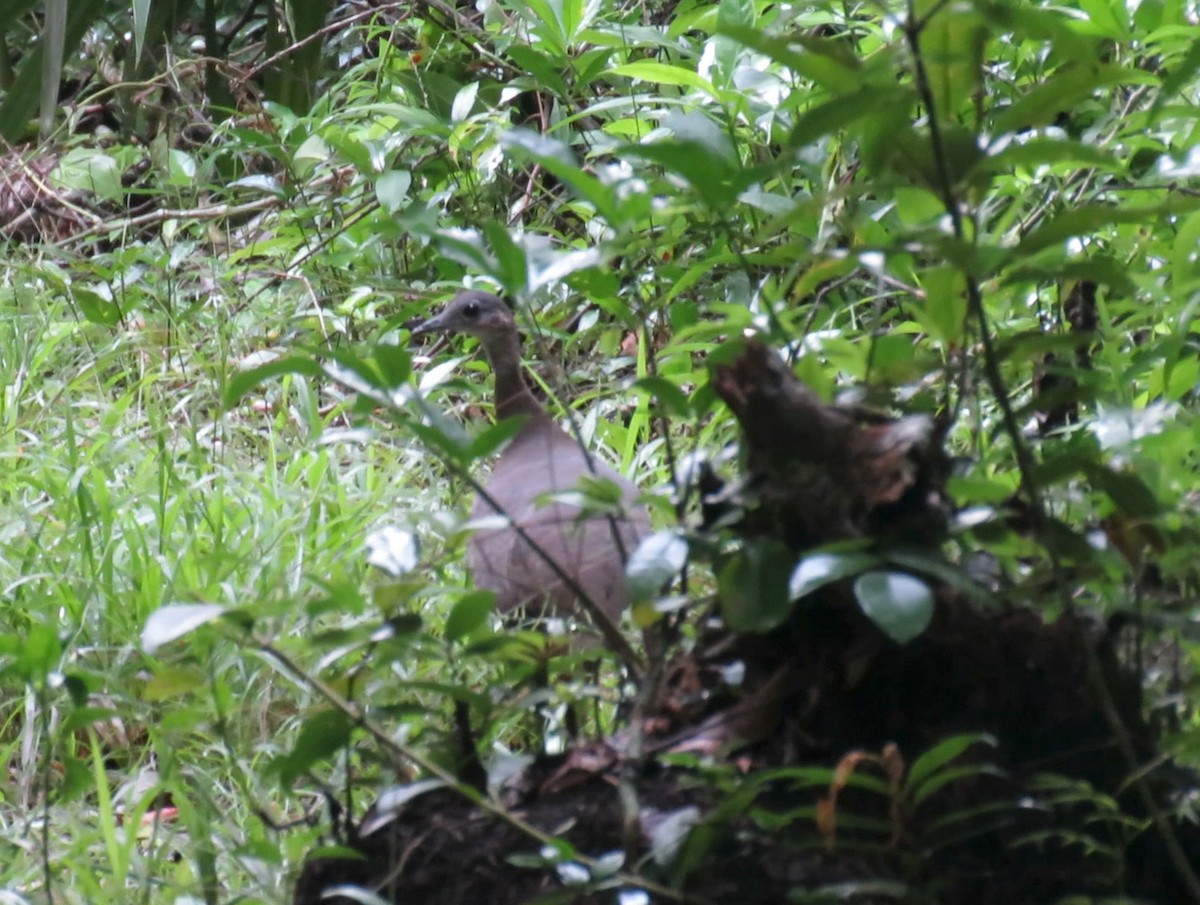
(977,215)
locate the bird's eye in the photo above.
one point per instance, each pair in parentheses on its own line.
(471,309)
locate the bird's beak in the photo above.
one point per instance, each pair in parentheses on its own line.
(435,324)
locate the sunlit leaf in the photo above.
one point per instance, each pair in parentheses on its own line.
(900,604)
(175,620)
(657,560)
(392,550)
(816,570)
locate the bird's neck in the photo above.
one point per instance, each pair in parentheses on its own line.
(512,394)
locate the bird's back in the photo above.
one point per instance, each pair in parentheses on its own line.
(543,460)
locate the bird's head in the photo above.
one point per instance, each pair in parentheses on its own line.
(475,313)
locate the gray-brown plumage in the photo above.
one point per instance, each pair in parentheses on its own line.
(542,459)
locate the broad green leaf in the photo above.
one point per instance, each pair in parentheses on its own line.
(321,736)
(673,400)
(556,158)
(168,682)
(753,586)
(38,655)
(1129,492)
(392,550)
(714,177)
(175,620)
(951,44)
(657,560)
(1179,74)
(1037,152)
(577,16)
(391,188)
(491,438)
(695,127)
(96,308)
(900,604)
(547,16)
(464,101)
(1087,219)
(664,74)
(1185,254)
(545,71)
(242,382)
(1063,91)
(1108,18)
(944,311)
(512,268)
(469,613)
(730,14)
(941,754)
(394,364)
(90,170)
(828,63)
(311,154)
(816,570)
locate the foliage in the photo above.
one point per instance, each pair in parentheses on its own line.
(914,204)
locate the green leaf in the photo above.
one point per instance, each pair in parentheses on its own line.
(673,400)
(951,43)
(664,74)
(547,16)
(1179,74)
(838,113)
(714,176)
(1061,92)
(1108,19)
(657,560)
(753,586)
(1036,152)
(730,14)
(169,682)
(96,308)
(391,188)
(900,604)
(469,613)
(942,754)
(321,736)
(464,102)
(90,170)
(1129,492)
(175,620)
(512,268)
(495,436)
(240,383)
(816,570)
(39,654)
(1185,254)
(828,63)
(556,158)
(1087,219)
(38,77)
(944,312)
(394,364)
